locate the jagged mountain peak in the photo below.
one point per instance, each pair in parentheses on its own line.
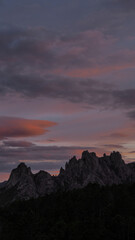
(20,175)
(92,162)
(72,162)
(105,170)
(116,156)
(22,165)
(88,155)
(22,169)
(42,174)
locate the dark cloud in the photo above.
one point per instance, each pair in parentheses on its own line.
(127,4)
(120,4)
(46,50)
(56,87)
(124,98)
(115,146)
(18,144)
(85,91)
(19,47)
(131,115)
(23,52)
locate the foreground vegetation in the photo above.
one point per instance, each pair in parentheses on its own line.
(94,213)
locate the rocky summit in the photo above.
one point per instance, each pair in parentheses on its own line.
(105,170)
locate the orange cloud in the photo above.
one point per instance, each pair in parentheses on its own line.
(91,72)
(19,127)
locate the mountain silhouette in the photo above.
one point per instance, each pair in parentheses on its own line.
(106,170)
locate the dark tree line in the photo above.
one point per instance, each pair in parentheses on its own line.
(96,213)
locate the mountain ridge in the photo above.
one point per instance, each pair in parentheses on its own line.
(106,170)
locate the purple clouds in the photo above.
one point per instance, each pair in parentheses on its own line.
(66,80)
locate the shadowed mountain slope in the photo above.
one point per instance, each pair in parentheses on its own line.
(106,170)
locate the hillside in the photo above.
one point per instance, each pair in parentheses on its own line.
(94,212)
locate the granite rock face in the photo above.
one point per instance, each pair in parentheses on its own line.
(23,185)
(45,183)
(22,179)
(106,170)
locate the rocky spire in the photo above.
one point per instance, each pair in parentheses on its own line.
(21,178)
(106,170)
(19,174)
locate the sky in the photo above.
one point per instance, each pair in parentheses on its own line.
(67,81)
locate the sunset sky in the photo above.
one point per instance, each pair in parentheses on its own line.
(67,81)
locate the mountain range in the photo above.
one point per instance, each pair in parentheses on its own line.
(106,170)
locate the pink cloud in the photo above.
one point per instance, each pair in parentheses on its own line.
(19,127)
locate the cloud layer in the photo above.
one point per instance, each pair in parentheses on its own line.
(17,127)
(38,63)
(75,71)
